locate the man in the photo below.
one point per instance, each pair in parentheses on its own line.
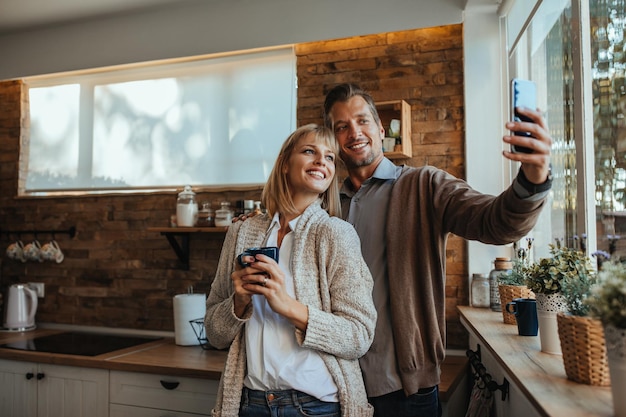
(403,216)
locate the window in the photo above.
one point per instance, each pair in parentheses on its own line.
(209,122)
(543,53)
(589,159)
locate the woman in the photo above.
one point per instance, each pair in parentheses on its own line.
(295,328)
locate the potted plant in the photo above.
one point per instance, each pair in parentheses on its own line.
(581,336)
(544,278)
(512,285)
(607,303)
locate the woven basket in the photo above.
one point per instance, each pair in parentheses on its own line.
(584,349)
(507,294)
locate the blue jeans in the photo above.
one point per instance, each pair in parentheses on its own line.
(288,403)
(424,403)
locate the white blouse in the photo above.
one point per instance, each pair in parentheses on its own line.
(275,360)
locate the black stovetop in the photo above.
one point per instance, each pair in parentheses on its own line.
(79,343)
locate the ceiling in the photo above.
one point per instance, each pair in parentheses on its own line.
(18,15)
(21,15)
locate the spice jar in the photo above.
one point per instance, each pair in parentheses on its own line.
(186,208)
(480,290)
(206,216)
(224,215)
(501,266)
(248,206)
(257,208)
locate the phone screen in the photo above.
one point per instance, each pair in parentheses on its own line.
(523,94)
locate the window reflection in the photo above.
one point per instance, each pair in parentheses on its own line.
(608,21)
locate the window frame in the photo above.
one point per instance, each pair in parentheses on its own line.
(583,105)
(92,78)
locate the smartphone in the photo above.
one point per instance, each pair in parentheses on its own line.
(270,251)
(523,94)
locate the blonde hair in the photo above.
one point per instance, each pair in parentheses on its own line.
(276,197)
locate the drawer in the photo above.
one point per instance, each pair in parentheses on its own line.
(189,395)
(118,410)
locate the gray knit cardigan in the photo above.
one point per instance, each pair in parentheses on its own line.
(330,277)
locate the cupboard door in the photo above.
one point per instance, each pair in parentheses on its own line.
(516,403)
(67,391)
(18,389)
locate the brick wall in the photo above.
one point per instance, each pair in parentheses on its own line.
(424,67)
(118,274)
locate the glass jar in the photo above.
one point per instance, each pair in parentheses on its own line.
(501,266)
(248,206)
(224,215)
(480,290)
(206,216)
(186,208)
(257,208)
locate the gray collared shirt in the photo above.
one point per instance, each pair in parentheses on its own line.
(366,210)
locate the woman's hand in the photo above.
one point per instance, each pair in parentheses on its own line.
(264,277)
(242,297)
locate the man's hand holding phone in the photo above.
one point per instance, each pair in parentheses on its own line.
(529,140)
(523,96)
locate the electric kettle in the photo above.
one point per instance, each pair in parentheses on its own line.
(21,306)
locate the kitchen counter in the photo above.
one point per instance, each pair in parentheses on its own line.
(161,356)
(538,378)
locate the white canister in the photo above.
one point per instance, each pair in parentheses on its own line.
(224,216)
(187,307)
(186,208)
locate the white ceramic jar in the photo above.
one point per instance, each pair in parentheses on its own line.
(186,208)
(224,215)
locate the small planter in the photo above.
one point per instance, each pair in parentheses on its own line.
(584,349)
(548,305)
(507,294)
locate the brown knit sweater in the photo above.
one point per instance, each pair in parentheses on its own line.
(431,204)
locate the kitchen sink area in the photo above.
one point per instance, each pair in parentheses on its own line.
(79,343)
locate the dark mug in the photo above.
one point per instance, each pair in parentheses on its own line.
(525,311)
(270,251)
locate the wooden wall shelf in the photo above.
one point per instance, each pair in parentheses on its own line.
(182,249)
(397,109)
(187,230)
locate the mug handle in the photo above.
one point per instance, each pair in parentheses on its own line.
(512,303)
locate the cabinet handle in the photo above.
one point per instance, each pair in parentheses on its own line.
(170,385)
(30,375)
(40,376)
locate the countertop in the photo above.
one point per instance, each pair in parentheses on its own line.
(540,376)
(161,356)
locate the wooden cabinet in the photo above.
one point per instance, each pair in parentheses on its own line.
(537,383)
(401,110)
(18,389)
(149,395)
(515,403)
(44,390)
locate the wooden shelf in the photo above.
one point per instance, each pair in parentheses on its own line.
(182,249)
(401,110)
(185,230)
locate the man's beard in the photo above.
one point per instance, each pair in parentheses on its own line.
(351,163)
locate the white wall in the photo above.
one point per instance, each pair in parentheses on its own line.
(486,111)
(203,27)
